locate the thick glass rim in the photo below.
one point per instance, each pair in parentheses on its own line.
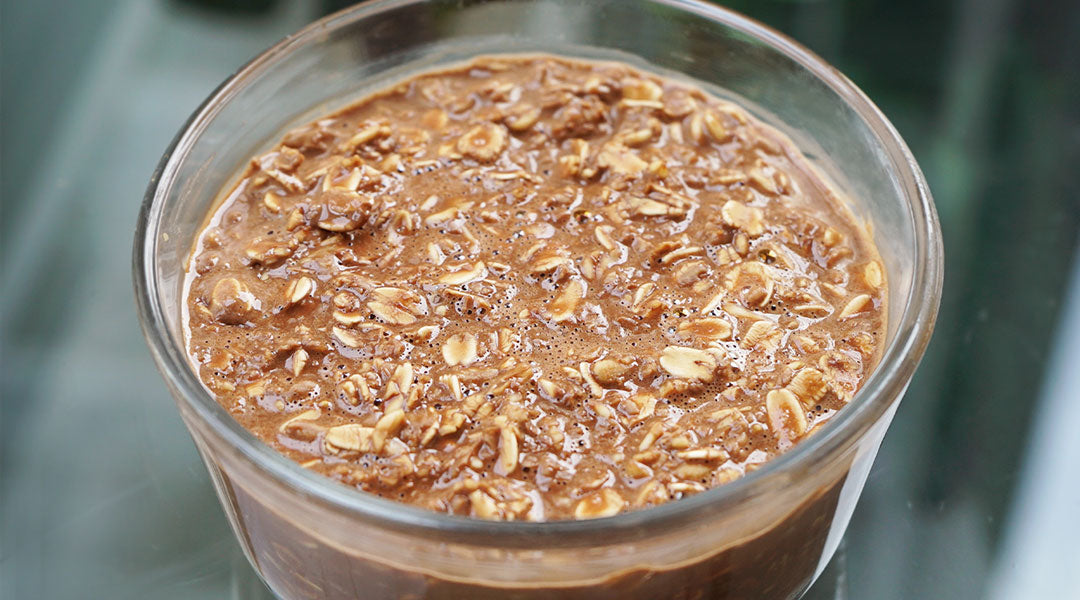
(888,381)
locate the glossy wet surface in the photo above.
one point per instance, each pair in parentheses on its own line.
(966,500)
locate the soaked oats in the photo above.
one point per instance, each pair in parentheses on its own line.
(534,289)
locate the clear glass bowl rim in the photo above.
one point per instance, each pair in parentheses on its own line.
(886,383)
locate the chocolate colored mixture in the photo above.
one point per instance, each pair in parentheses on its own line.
(534,288)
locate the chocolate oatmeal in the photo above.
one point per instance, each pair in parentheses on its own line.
(534,289)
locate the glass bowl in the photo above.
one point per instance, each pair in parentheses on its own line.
(766,535)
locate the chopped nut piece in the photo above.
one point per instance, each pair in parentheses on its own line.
(548,389)
(347,309)
(763,183)
(637,470)
(747,218)
(356,389)
(483,506)
(688,362)
(610,373)
(402,380)
(453,423)
(387,426)
(344,210)
(231,302)
(508,451)
(689,272)
(272,202)
(296,218)
(741,244)
(483,142)
(831,237)
(808,385)
(752,283)
(299,361)
(726,475)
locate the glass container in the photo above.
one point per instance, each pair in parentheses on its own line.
(766,535)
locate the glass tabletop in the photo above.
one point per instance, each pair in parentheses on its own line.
(975,492)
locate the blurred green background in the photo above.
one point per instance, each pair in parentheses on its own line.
(976,491)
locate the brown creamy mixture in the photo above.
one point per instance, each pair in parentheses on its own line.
(531,288)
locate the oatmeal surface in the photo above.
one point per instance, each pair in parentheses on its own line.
(533,288)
